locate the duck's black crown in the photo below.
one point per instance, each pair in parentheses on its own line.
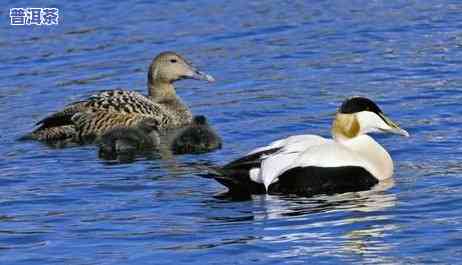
(358,104)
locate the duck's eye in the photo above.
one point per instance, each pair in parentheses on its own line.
(173,60)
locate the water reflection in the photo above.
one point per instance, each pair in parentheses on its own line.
(355,224)
(369,244)
(343,225)
(365,201)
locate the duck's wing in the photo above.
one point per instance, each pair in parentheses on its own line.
(243,174)
(254,157)
(326,168)
(119,101)
(92,124)
(63,117)
(251,160)
(112,101)
(122,101)
(272,166)
(57,126)
(302,140)
(236,174)
(51,134)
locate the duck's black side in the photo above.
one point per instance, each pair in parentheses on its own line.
(199,137)
(302,181)
(309,181)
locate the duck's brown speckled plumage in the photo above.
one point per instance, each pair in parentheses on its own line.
(52,133)
(162,104)
(88,125)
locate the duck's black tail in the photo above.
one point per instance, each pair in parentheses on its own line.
(236,180)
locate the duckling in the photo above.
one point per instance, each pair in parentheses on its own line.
(129,141)
(162,103)
(199,137)
(310,164)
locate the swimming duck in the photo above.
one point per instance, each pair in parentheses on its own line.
(310,164)
(143,136)
(198,137)
(161,103)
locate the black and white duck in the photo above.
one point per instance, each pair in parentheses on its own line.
(310,164)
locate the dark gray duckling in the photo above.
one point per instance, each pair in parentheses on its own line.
(199,137)
(130,141)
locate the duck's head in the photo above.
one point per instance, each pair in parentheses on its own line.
(359,115)
(200,120)
(168,67)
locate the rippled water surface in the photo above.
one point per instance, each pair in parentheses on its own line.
(282,68)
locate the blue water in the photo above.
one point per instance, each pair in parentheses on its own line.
(282,68)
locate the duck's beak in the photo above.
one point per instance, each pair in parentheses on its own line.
(203,76)
(199,75)
(393,127)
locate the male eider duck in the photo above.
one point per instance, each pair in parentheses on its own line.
(310,164)
(198,137)
(128,141)
(161,103)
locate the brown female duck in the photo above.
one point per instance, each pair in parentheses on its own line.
(162,104)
